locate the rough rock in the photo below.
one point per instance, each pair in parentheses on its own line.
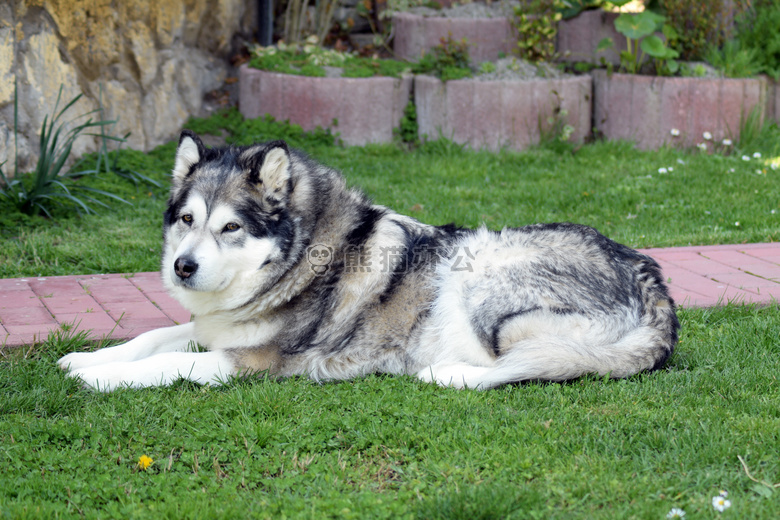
(147,63)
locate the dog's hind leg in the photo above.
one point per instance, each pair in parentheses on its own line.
(169,339)
(457,375)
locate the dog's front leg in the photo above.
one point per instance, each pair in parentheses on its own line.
(159,370)
(169,339)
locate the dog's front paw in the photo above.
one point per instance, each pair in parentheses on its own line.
(77,360)
(103,378)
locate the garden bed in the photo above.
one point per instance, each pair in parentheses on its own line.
(653,111)
(503,112)
(361,110)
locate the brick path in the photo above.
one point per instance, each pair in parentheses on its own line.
(120,306)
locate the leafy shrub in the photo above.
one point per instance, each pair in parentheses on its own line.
(640,31)
(701,24)
(448,60)
(733,60)
(758,29)
(537,26)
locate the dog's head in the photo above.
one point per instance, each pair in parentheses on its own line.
(227,226)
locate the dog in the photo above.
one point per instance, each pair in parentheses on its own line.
(289,272)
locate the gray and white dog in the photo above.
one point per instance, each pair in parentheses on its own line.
(288,271)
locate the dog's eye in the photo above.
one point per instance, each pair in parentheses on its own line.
(231,226)
(186,218)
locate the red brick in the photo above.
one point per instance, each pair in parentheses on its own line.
(24,316)
(19,298)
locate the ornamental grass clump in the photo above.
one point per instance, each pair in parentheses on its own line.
(34,193)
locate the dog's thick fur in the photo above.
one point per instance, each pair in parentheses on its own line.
(285,270)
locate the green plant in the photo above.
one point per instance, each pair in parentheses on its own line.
(556,131)
(32,194)
(449,60)
(487,67)
(757,30)
(537,26)
(701,24)
(639,29)
(408,129)
(734,61)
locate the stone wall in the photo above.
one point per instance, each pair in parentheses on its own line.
(151,61)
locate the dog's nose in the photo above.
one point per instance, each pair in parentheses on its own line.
(185,266)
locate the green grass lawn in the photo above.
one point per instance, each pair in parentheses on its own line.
(701,199)
(393,447)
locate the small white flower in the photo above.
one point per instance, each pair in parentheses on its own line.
(773,212)
(757,155)
(736,223)
(745,158)
(670,169)
(680,161)
(727,142)
(662,170)
(774,166)
(675,512)
(707,136)
(720,503)
(675,132)
(702,146)
(724,493)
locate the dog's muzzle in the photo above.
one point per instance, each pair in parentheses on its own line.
(185,266)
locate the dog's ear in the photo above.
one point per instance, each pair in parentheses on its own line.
(188,154)
(269,167)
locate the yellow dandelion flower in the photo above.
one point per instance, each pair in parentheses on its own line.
(144,462)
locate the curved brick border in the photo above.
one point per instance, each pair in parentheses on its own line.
(494,114)
(773,100)
(645,109)
(416,34)
(366,109)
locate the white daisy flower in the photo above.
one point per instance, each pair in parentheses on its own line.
(675,132)
(720,503)
(702,146)
(662,170)
(745,157)
(675,512)
(707,136)
(757,155)
(727,142)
